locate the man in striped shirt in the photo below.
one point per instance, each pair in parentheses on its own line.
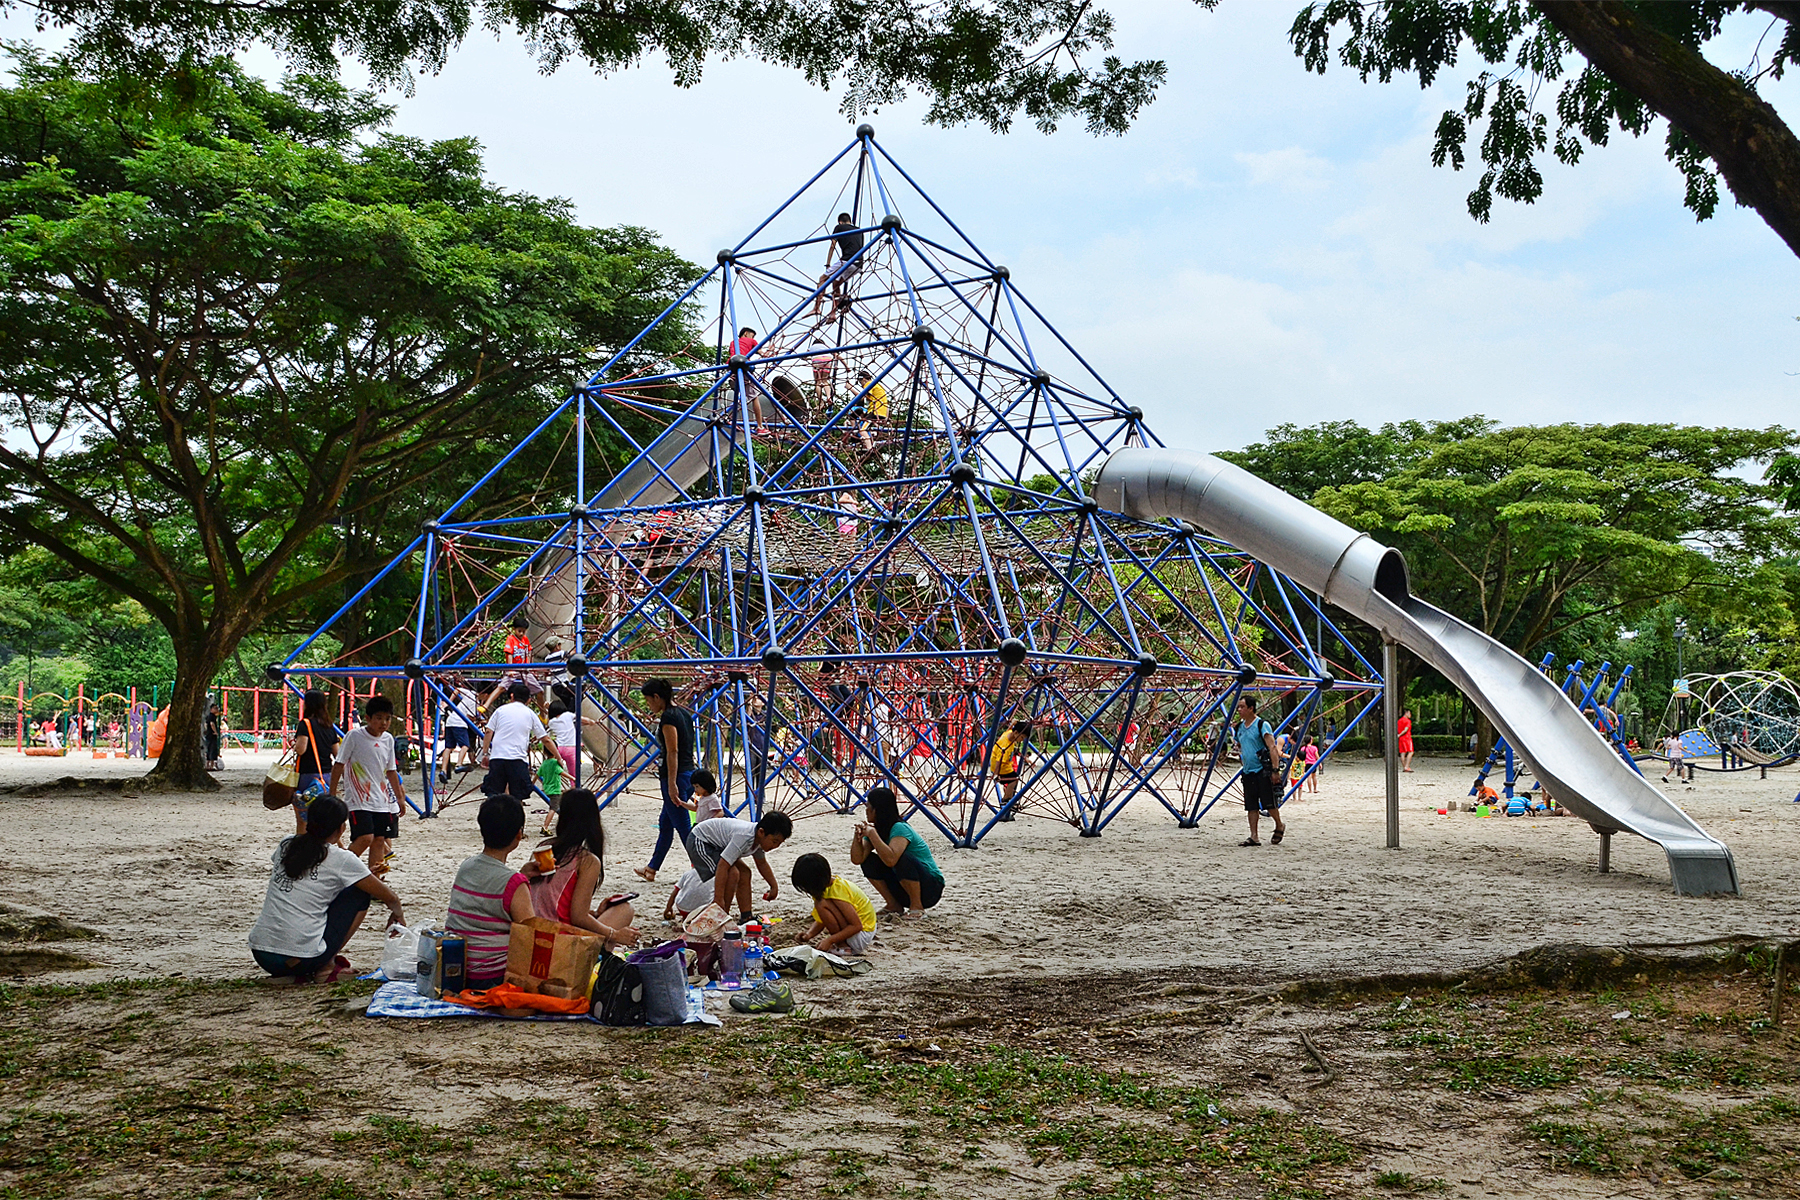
(488,896)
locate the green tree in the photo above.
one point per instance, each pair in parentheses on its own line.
(33,633)
(975,60)
(1551,537)
(1636,61)
(1784,476)
(251,341)
(1338,453)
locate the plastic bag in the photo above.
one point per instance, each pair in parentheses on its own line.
(400,953)
(706,925)
(815,963)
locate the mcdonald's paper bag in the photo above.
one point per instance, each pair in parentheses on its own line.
(551,958)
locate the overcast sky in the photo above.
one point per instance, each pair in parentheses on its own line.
(1266,245)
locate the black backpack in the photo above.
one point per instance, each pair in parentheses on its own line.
(618,993)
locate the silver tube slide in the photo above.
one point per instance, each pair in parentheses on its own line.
(684,452)
(1363,577)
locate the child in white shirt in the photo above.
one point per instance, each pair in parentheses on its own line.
(365,761)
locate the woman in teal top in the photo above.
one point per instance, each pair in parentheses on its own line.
(895,858)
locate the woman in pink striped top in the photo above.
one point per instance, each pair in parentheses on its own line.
(488,896)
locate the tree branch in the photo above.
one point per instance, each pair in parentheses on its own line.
(1756,152)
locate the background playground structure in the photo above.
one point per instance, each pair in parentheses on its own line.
(861,543)
(1744,719)
(119,724)
(1599,699)
(1741,720)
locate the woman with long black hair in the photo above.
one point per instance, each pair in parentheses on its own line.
(567,894)
(317,897)
(895,858)
(315,748)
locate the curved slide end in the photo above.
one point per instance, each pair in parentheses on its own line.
(1360,575)
(1575,764)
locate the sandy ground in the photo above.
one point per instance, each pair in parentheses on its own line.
(173,883)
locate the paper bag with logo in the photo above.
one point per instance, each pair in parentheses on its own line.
(551,958)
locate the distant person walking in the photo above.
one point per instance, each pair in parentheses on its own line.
(1676,753)
(1256,749)
(1403,740)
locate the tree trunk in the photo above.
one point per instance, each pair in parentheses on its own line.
(1484,736)
(1756,152)
(182,766)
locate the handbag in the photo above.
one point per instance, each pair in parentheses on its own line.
(280,784)
(706,925)
(664,974)
(618,997)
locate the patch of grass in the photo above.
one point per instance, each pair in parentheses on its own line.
(1580,1144)
(1701,1146)
(1402,1181)
(1506,1071)
(760,1173)
(38,995)
(1728,1143)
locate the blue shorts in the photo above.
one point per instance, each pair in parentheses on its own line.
(458,735)
(508,776)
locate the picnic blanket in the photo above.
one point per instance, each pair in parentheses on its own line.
(401,999)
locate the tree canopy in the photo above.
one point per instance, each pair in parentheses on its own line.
(249,352)
(976,60)
(1617,66)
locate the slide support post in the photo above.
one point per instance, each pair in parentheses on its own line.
(1390,721)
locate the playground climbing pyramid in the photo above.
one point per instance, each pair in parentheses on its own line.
(850,521)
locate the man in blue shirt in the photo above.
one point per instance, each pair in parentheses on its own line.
(1256,746)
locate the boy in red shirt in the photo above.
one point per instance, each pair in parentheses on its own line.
(517,652)
(744,345)
(518,642)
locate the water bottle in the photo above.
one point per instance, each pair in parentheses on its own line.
(731,959)
(427,979)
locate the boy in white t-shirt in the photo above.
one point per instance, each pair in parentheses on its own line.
(365,762)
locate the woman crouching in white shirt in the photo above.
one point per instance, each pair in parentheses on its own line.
(317,897)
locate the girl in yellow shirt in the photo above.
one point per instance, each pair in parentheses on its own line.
(841,911)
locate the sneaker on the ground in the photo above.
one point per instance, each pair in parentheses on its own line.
(773,996)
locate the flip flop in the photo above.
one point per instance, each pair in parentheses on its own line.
(1275,838)
(340,966)
(1249,842)
(645,874)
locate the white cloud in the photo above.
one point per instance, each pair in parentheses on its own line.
(1289,169)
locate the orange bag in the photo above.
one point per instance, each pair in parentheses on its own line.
(507,995)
